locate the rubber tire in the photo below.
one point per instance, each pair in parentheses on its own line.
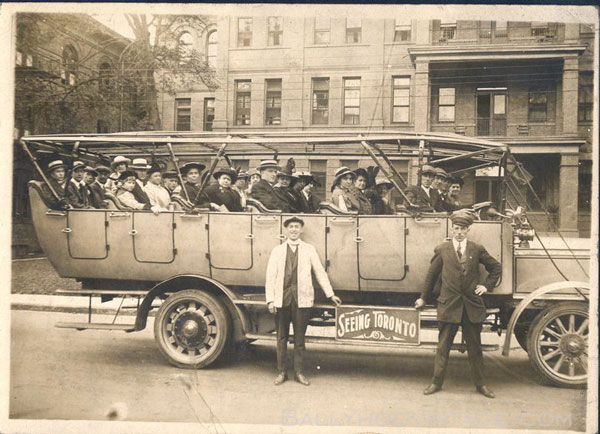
(520,331)
(538,324)
(222,319)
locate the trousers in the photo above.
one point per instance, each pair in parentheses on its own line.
(472,335)
(299,318)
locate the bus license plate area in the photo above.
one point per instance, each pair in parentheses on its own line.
(391,325)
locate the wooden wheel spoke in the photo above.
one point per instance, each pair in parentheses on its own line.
(559,363)
(560,325)
(548,344)
(583,327)
(192,306)
(552,354)
(571,323)
(571,368)
(552,332)
(582,361)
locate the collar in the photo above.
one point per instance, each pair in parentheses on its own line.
(463,245)
(305,194)
(293,243)
(427,189)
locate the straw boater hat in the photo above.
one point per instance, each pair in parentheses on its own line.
(294,219)
(91,170)
(78,165)
(100,168)
(456,180)
(118,160)
(461,218)
(427,169)
(268,164)
(441,173)
(140,164)
(53,165)
(340,173)
(127,174)
(192,165)
(383,181)
(226,171)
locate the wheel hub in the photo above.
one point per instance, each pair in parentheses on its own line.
(190,329)
(572,345)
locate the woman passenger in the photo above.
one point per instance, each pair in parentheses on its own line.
(157,194)
(359,192)
(125,193)
(341,188)
(240,186)
(191,173)
(221,194)
(118,165)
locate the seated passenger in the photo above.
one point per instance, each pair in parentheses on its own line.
(253,178)
(311,201)
(126,196)
(264,191)
(221,195)
(424,195)
(76,191)
(56,177)
(359,192)
(283,188)
(95,198)
(341,188)
(171,181)
(453,202)
(118,165)
(240,186)
(440,183)
(191,185)
(140,166)
(157,194)
(99,186)
(299,183)
(379,197)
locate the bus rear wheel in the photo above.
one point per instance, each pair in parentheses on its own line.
(557,344)
(192,328)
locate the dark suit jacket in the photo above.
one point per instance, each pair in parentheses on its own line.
(288,194)
(77,196)
(49,197)
(140,195)
(97,195)
(417,196)
(457,291)
(265,193)
(310,205)
(221,196)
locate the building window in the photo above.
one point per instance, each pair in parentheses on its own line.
(584,190)
(183,114)
(322,30)
(209,113)
(318,169)
(353,30)
(68,74)
(446,104)
(242,102)
(105,76)
(586,97)
(320,101)
(402,30)
(273,97)
(211,48)
(538,104)
(501,29)
(275,31)
(543,29)
(19,58)
(586,29)
(185,44)
(351,101)
(244,32)
(447,30)
(400,99)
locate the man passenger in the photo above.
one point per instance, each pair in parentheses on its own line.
(264,191)
(171,181)
(309,198)
(425,195)
(56,177)
(95,194)
(76,191)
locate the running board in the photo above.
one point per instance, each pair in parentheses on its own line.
(333,341)
(131,293)
(95,326)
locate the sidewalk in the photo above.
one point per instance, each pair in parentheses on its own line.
(71,304)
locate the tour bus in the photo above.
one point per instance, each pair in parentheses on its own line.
(203,272)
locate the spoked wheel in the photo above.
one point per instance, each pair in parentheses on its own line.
(191,328)
(558,344)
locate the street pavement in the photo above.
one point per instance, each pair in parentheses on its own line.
(98,375)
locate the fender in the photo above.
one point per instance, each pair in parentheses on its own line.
(584,286)
(187,281)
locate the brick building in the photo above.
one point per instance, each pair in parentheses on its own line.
(527,84)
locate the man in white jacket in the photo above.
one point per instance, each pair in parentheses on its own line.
(290,294)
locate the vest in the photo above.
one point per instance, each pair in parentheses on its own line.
(290,278)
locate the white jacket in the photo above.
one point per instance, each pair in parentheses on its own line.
(308,260)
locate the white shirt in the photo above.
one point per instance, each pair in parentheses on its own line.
(293,244)
(158,195)
(462,244)
(426,189)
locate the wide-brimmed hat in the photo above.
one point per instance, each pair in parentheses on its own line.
(170,174)
(192,165)
(428,169)
(294,219)
(456,180)
(153,169)
(77,165)
(268,164)
(242,174)
(383,181)
(140,164)
(91,170)
(119,159)
(341,172)
(102,168)
(53,165)
(305,177)
(441,173)
(461,218)
(127,174)
(226,171)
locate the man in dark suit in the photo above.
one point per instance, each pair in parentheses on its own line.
(425,195)
(76,191)
(460,302)
(264,191)
(311,201)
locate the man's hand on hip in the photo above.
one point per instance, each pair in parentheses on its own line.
(480,290)
(272,307)
(336,300)
(420,303)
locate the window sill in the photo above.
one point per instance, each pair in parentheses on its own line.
(337,45)
(259,48)
(400,43)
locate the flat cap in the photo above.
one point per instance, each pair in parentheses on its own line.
(461,218)
(294,219)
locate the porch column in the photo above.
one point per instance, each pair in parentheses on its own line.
(222,99)
(570,87)
(421,97)
(567,196)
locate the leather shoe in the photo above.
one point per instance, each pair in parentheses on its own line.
(300,378)
(485,391)
(280,378)
(432,389)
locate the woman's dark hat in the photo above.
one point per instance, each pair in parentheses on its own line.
(126,174)
(192,165)
(226,171)
(456,180)
(153,169)
(170,174)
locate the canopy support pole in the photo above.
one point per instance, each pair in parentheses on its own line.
(39,169)
(175,160)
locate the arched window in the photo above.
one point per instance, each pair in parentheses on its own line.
(211,48)
(105,75)
(185,44)
(68,74)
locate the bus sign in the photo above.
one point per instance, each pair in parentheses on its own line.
(378,324)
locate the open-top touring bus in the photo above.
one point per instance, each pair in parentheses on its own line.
(204,271)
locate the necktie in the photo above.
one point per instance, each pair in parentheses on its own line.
(458,252)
